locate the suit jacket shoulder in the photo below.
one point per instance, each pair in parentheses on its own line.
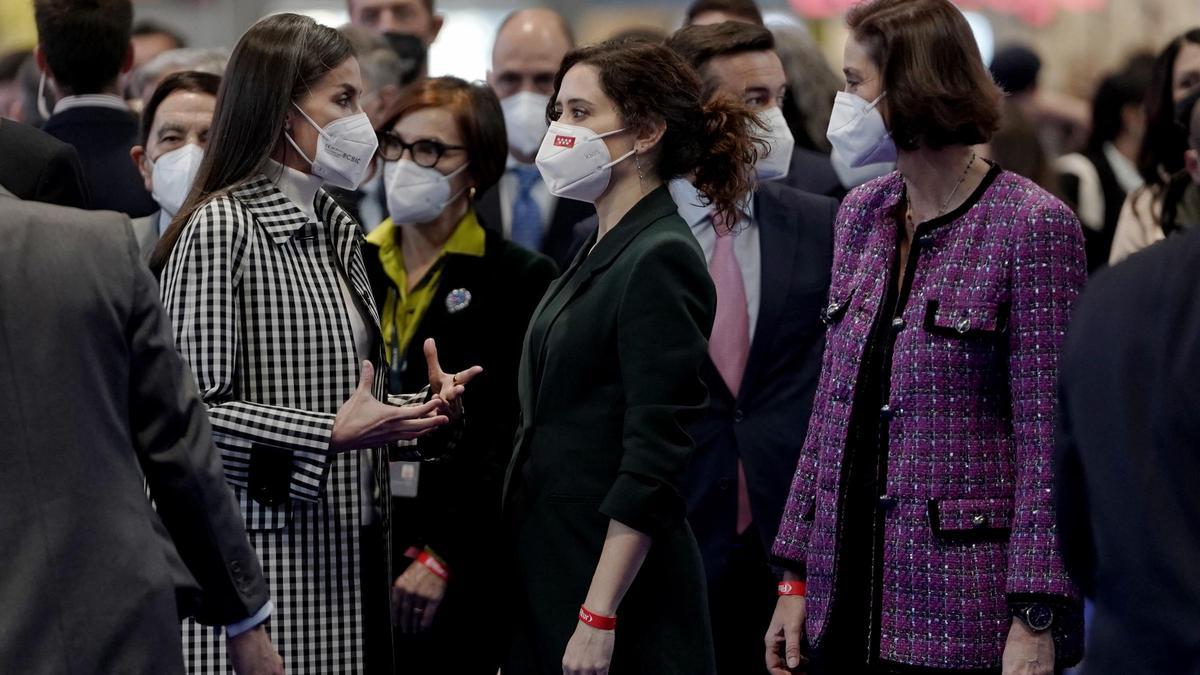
(36,166)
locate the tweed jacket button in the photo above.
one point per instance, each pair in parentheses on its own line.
(979,520)
(963,325)
(887,413)
(886,502)
(898,324)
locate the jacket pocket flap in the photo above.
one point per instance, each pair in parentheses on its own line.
(964,516)
(839,302)
(955,318)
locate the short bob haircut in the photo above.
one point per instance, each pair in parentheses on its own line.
(938,91)
(476,111)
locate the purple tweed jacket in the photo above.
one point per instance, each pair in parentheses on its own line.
(968,513)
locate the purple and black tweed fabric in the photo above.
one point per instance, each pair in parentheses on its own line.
(968,512)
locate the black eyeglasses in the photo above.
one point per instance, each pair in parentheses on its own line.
(426,153)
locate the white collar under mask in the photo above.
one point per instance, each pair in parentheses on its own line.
(417,194)
(575,162)
(344,150)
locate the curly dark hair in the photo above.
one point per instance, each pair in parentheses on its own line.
(651,84)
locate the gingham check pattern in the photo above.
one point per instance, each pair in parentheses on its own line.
(253,294)
(973,404)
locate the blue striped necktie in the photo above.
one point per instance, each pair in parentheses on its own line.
(526,221)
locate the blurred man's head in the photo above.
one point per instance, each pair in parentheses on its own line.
(147,78)
(84,45)
(10,83)
(738,60)
(706,12)
(409,17)
(175,125)
(383,72)
(529,48)
(151,39)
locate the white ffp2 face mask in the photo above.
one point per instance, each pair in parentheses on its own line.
(525,121)
(416,194)
(344,150)
(575,162)
(857,131)
(171,176)
(775,163)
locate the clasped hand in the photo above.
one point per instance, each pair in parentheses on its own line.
(365,422)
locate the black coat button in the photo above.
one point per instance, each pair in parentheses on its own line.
(738,415)
(725,484)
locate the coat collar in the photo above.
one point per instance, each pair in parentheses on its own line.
(282,218)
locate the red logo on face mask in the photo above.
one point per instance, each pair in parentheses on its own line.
(564,141)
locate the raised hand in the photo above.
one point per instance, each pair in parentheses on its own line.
(364,422)
(446,386)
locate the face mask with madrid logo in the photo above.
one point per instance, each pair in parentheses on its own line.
(344,150)
(575,162)
(774,164)
(525,120)
(171,176)
(857,132)
(416,194)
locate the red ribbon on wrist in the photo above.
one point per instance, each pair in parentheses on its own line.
(793,588)
(595,620)
(434,565)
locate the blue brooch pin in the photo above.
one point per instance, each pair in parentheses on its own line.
(457,300)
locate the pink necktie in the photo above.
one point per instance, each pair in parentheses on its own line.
(730,342)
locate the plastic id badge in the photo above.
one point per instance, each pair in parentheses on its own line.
(404,478)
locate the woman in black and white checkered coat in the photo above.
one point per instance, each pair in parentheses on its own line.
(266,289)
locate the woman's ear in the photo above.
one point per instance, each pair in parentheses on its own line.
(649,136)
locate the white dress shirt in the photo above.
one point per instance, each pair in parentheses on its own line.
(508,194)
(745,244)
(91,101)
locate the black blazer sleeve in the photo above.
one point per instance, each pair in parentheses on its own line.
(663,324)
(183,468)
(1074,530)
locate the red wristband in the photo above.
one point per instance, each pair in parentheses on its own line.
(793,588)
(434,565)
(595,620)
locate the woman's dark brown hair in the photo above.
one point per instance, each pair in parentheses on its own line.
(938,91)
(1161,154)
(274,64)
(476,111)
(649,83)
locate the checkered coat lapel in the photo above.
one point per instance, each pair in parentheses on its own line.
(253,293)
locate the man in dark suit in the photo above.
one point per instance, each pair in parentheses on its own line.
(83,47)
(40,168)
(1129,453)
(95,405)
(765,352)
(529,48)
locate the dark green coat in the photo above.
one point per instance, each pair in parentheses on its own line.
(609,380)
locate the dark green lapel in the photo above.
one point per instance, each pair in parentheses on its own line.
(653,207)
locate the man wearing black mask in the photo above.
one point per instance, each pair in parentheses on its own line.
(400,21)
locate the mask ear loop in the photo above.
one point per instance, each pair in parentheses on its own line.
(43,109)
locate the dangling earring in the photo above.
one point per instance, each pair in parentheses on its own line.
(637,161)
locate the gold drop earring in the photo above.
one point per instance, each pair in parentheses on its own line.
(637,161)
